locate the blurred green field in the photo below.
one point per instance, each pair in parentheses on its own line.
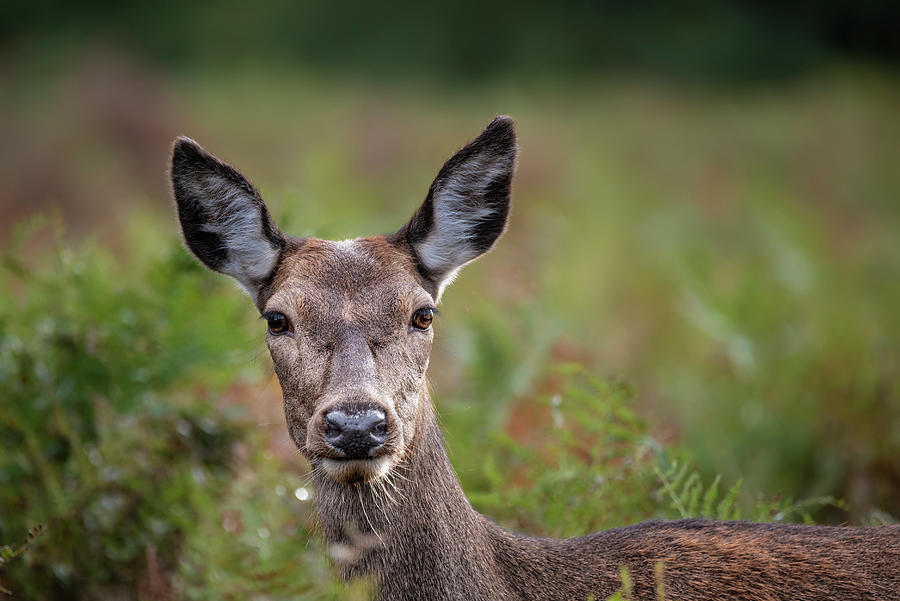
(732,254)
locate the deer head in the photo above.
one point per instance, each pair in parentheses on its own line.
(349,322)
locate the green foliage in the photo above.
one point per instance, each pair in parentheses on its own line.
(8,553)
(256,540)
(690,497)
(587,466)
(685,490)
(592,465)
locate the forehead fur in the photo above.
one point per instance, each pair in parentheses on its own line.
(343,267)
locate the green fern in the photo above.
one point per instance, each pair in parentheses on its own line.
(689,497)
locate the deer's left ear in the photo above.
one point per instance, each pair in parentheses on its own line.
(467,206)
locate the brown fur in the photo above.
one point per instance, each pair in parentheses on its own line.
(400,515)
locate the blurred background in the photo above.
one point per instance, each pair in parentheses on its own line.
(694,311)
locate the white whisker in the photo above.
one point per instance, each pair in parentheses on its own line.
(363,507)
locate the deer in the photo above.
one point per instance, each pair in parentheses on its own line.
(349,331)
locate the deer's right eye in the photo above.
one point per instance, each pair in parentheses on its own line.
(421,319)
(278,323)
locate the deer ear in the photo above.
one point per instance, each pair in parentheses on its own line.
(467,206)
(223,218)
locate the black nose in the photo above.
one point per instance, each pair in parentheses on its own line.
(356,433)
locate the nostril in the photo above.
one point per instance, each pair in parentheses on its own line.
(335,424)
(332,429)
(377,429)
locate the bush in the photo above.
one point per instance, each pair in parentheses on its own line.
(107,446)
(591,464)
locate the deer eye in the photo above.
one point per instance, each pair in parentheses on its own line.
(278,323)
(422,318)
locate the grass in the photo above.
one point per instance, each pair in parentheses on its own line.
(730,254)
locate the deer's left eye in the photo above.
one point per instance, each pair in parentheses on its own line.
(422,318)
(278,322)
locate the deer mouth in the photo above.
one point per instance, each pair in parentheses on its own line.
(348,471)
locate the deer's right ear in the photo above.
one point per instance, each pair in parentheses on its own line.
(467,206)
(223,218)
